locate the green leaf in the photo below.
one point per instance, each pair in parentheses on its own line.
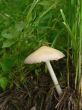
(4,82)
(7,35)
(8,43)
(19,26)
(7,64)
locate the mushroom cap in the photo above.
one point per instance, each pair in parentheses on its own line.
(44,54)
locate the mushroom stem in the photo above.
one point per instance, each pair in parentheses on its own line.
(53,76)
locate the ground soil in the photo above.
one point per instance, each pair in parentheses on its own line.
(39,92)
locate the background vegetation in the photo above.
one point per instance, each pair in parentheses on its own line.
(25,25)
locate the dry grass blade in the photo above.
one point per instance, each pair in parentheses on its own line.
(68,101)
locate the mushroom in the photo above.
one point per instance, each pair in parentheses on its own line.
(45,54)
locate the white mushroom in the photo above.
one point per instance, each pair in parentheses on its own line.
(45,54)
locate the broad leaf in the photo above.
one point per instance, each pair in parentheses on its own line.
(7,35)
(8,43)
(4,82)
(7,64)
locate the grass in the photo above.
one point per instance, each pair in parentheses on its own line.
(75,39)
(24,28)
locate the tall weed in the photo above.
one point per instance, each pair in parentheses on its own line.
(72,25)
